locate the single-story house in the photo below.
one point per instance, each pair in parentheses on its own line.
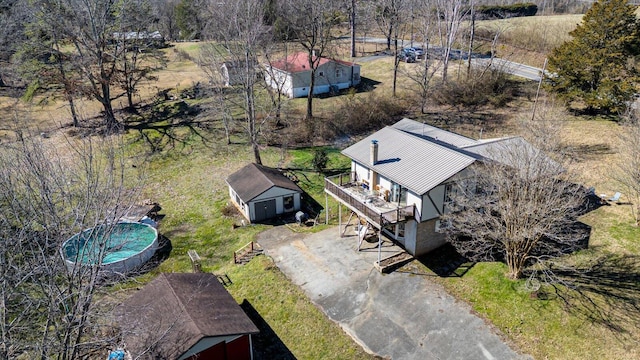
(403,176)
(153,39)
(261,192)
(292,75)
(185,316)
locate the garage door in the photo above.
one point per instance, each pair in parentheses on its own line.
(265,210)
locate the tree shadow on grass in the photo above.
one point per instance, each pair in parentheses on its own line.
(266,344)
(605,291)
(584,152)
(166,124)
(445,261)
(366,85)
(162,253)
(467,123)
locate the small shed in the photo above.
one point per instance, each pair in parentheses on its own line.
(185,316)
(231,73)
(261,192)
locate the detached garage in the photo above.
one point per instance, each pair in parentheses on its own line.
(262,193)
(185,317)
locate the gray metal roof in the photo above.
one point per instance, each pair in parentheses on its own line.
(515,152)
(424,130)
(415,162)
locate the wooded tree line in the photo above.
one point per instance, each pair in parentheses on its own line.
(70,45)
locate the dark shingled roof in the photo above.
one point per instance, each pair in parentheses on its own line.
(253,180)
(174,311)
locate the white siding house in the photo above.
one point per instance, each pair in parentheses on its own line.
(402,175)
(292,75)
(262,193)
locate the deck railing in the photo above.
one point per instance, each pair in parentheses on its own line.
(334,186)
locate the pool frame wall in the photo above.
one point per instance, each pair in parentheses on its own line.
(124,266)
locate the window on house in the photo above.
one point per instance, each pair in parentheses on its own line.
(320,73)
(338,73)
(238,200)
(449,198)
(288,202)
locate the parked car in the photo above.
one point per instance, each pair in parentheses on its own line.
(406,57)
(416,51)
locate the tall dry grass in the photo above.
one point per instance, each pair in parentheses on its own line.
(534,33)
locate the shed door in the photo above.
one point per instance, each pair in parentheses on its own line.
(265,209)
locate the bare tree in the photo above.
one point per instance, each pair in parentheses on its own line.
(387,17)
(628,174)
(422,75)
(396,13)
(44,64)
(141,55)
(240,36)
(275,87)
(13,16)
(48,310)
(517,205)
(164,11)
(89,27)
(311,24)
(450,15)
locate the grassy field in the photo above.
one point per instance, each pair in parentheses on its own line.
(187,179)
(526,39)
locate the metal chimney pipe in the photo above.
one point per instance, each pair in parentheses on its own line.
(373,155)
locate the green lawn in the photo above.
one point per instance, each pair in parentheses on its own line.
(188,181)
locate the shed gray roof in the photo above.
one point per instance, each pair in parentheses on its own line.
(253,180)
(415,162)
(175,311)
(424,130)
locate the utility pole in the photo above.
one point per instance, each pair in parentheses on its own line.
(535,102)
(352,21)
(471,36)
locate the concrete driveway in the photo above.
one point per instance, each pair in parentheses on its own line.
(396,315)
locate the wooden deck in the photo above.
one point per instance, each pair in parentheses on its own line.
(367,203)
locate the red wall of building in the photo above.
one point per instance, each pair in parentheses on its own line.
(238,349)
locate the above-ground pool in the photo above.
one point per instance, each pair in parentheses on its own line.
(123,247)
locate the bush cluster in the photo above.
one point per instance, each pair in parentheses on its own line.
(490,87)
(361,114)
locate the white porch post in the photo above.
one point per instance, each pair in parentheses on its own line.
(339,218)
(380,245)
(326,208)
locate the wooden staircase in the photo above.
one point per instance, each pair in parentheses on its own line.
(246,253)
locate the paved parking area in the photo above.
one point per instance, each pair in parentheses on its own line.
(396,315)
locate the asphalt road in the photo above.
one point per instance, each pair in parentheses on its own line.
(510,67)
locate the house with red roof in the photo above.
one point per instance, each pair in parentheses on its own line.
(292,75)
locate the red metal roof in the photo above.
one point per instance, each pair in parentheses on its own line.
(299,62)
